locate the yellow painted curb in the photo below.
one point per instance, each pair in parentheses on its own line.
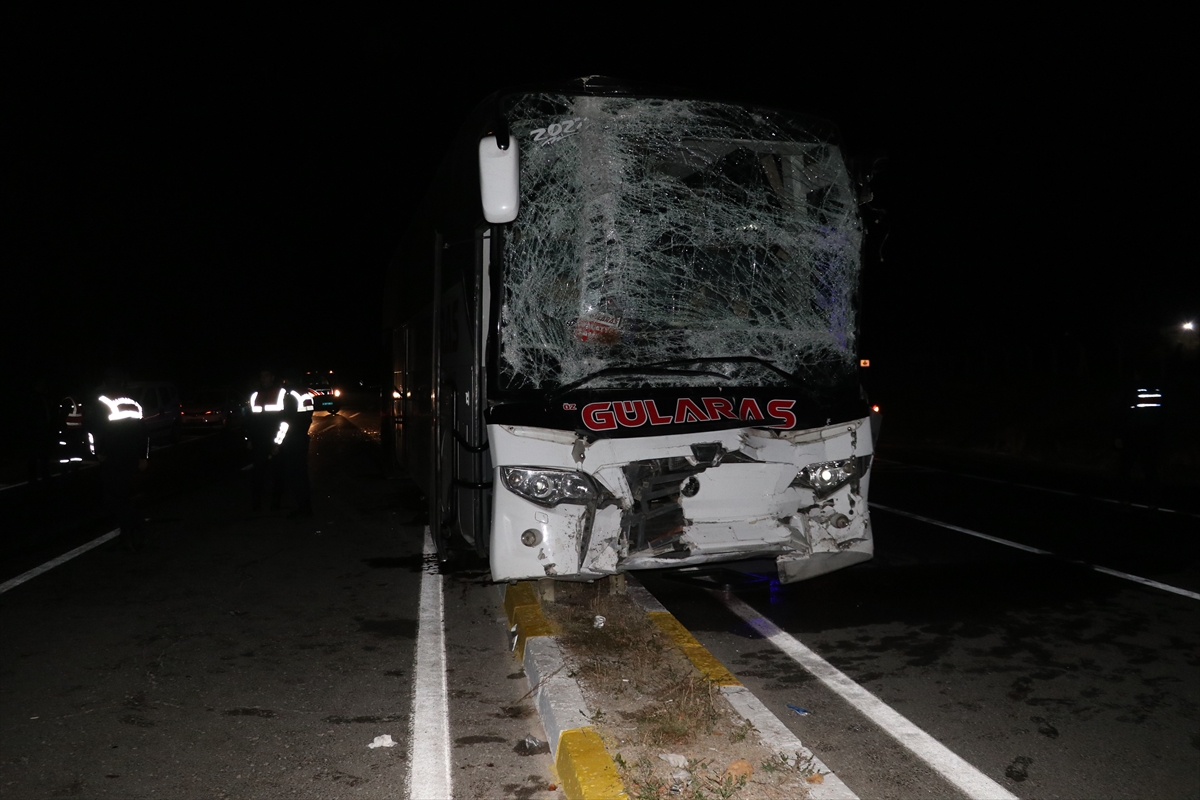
(585,769)
(523,609)
(519,594)
(697,653)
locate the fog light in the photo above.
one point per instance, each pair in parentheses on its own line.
(531,537)
(840,521)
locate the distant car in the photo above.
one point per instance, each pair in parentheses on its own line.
(161,409)
(211,408)
(326,397)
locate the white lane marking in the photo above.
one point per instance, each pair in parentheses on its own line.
(951,766)
(1166,587)
(429,731)
(64,558)
(1036,488)
(967,531)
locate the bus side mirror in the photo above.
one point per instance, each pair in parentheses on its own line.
(498,180)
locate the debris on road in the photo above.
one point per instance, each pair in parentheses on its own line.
(382,741)
(531,746)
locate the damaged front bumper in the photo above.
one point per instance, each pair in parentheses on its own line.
(567,507)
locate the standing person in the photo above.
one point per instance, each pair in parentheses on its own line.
(1141,430)
(119,441)
(265,432)
(295,446)
(72,438)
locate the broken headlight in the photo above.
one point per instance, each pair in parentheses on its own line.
(827,476)
(549,487)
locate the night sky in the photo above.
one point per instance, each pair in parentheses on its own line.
(199,195)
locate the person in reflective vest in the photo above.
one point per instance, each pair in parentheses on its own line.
(1140,437)
(266,430)
(294,447)
(118,438)
(72,438)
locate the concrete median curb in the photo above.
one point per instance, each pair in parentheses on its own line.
(770,728)
(585,769)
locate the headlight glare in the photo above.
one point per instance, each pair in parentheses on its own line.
(827,476)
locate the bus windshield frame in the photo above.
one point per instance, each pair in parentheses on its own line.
(658,237)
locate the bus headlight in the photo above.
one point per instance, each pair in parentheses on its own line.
(549,487)
(827,476)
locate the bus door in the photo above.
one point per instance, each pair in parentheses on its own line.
(462,470)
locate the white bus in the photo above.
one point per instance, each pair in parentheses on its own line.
(623,334)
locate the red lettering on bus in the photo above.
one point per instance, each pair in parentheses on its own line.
(719,407)
(655,417)
(749,410)
(685,408)
(630,413)
(779,409)
(609,416)
(599,417)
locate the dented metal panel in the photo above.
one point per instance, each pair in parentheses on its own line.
(684,499)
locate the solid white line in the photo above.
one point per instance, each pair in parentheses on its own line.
(1146,581)
(64,558)
(1115,573)
(951,766)
(1037,488)
(967,531)
(429,731)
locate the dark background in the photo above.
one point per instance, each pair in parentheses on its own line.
(199,194)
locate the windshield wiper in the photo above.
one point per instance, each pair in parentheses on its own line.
(671,368)
(661,368)
(762,362)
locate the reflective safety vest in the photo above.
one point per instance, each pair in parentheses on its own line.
(75,415)
(276,406)
(271,408)
(122,408)
(1148,398)
(304,402)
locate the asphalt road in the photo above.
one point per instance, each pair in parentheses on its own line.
(252,655)
(1046,676)
(240,655)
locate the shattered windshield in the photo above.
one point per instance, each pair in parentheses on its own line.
(658,231)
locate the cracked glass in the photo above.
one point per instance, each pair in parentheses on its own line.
(659,232)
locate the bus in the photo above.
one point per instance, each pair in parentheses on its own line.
(623,335)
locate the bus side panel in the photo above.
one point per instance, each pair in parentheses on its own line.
(415,431)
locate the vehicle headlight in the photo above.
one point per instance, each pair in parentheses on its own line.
(826,477)
(549,487)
